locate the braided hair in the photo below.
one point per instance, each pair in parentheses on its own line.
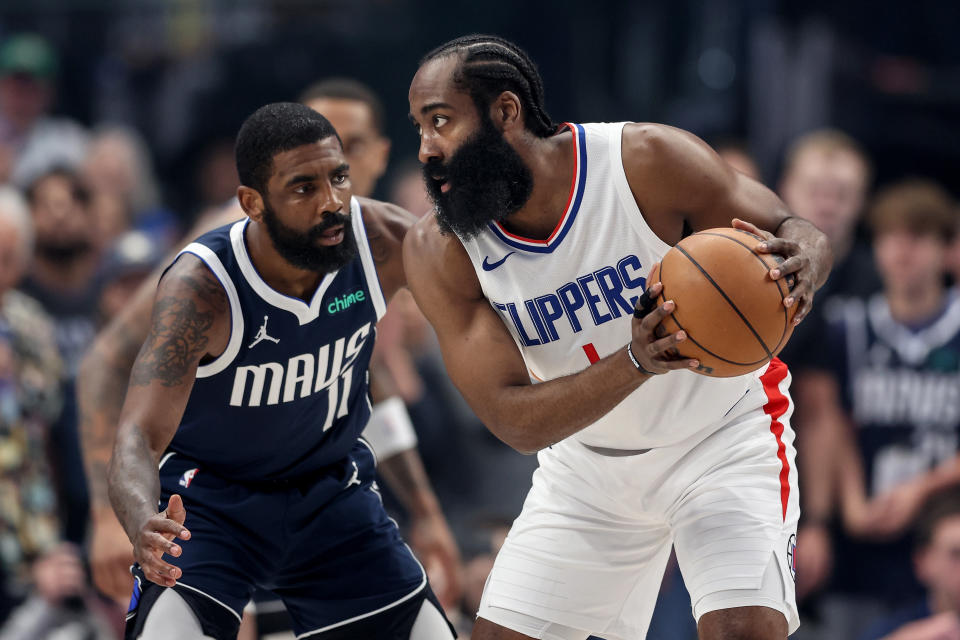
(492,65)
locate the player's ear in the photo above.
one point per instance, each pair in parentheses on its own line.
(507,111)
(251,202)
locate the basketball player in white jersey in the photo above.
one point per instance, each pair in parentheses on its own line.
(530,272)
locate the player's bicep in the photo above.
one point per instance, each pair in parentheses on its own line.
(186,326)
(674,172)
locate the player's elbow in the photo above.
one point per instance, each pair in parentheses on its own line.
(521,437)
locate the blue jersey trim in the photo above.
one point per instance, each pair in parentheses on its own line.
(539,246)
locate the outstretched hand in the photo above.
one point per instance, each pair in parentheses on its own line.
(155,538)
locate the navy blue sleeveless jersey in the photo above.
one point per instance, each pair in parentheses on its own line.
(901,387)
(289,395)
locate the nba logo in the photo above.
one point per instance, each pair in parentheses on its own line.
(187,477)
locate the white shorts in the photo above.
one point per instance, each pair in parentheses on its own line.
(588,552)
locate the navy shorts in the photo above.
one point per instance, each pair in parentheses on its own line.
(325,547)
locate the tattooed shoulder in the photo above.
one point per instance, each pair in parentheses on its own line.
(190,302)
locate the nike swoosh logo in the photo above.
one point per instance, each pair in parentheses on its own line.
(490,266)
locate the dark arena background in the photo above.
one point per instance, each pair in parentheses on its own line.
(117,127)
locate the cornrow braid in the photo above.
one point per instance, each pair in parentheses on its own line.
(492,65)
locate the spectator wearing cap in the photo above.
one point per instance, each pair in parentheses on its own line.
(936,560)
(131,259)
(31,140)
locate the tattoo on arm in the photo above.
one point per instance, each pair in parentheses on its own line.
(178,336)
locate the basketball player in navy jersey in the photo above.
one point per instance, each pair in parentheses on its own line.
(530,272)
(250,393)
(357,115)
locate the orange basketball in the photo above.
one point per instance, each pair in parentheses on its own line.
(727,303)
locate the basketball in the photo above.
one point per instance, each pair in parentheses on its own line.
(726,302)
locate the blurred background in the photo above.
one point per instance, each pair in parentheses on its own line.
(117,120)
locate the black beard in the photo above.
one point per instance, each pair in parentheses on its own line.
(63,252)
(488,182)
(300,249)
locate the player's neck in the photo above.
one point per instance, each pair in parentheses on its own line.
(917,305)
(551,162)
(279,274)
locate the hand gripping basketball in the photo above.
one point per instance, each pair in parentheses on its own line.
(795,268)
(652,347)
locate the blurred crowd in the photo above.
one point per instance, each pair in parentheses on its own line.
(876,368)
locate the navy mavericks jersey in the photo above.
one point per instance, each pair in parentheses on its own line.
(289,395)
(901,386)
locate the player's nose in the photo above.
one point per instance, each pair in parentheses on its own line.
(429,149)
(330,200)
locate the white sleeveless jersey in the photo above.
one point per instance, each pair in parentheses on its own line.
(568,301)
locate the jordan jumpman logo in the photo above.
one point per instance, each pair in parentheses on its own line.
(262,335)
(355,478)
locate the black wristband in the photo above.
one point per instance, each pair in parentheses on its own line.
(636,362)
(781,223)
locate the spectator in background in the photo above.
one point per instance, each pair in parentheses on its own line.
(63,279)
(893,373)
(67,254)
(357,115)
(735,153)
(407,190)
(119,171)
(936,560)
(127,263)
(31,141)
(826,180)
(43,584)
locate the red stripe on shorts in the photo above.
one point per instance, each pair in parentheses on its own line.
(776,406)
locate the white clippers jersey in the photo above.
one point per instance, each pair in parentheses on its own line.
(568,301)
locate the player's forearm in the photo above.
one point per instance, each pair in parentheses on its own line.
(534,416)
(813,243)
(133,482)
(407,478)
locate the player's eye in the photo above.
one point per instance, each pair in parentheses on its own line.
(439,121)
(306,187)
(340,178)
(418,129)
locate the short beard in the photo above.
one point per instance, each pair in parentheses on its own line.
(300,248)
(488,182)
(63,253)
